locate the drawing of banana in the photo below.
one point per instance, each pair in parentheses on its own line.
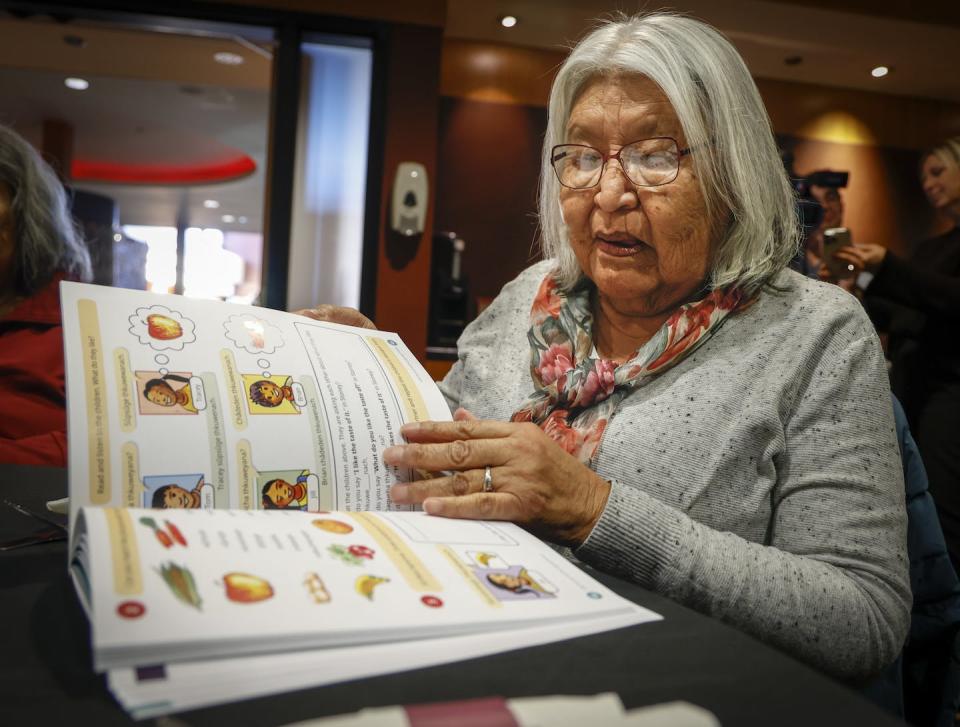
(364,585)
(485,558)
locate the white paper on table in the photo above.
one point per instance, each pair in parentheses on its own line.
(191,685)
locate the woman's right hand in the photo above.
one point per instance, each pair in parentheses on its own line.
(862,255)
(337,314)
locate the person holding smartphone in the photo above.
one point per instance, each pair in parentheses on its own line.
(926,288)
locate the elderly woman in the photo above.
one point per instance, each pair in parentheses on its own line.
(926,288)
(661,393)
(38,248)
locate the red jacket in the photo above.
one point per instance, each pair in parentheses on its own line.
(33,422)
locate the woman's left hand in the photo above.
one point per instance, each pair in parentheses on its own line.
(536,484)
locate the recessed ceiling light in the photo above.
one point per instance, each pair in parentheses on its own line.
(77,84)
(242,220)
(227,58)
(508,21)
(879,71)
(228,219)
(211,204)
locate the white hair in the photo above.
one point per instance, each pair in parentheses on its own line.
(723,118)
(45,237)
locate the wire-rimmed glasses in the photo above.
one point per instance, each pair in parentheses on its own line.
(646,162)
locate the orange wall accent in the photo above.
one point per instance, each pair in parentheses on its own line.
(413,95)
(497,73)
(418,12)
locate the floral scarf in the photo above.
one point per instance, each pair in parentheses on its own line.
(575,393)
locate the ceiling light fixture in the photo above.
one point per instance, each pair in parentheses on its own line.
(77,84)
(228,219)
(227,58)
(211,204)
(879,71)
(242,220)
(508,21)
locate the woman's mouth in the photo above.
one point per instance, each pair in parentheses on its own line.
(619,245)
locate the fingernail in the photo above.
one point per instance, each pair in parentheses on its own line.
(410,428)
(393,455)
(398,493)
(432,506)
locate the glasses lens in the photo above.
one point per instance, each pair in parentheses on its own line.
(651,162)
(577,166)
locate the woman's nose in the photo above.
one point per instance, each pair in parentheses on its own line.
(615,190)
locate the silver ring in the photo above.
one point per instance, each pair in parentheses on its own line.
(487,479)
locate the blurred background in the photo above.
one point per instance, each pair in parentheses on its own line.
(248,151)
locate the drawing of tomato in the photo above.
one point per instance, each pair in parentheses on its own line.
(361,551)
(162,327)
(246,588)
(431,601)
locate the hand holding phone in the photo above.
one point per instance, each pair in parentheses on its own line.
(835,238)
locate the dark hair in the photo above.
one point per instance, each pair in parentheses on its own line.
(159,496)
(269,504)
(45,237)
(162,380)
(256,395)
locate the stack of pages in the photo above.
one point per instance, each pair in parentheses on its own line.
(231,533)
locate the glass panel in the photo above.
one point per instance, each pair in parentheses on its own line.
(329,189)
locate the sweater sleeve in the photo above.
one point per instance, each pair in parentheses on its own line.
(926,290)
(831,583)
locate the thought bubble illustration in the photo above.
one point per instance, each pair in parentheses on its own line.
(162,328)
(252,334)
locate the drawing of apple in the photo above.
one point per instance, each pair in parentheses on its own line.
(162,327)
(246,588)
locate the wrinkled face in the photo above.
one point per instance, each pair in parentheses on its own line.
(941,181)
(647,249)
(280,493)
(832,203)
(161,394)
(176,497)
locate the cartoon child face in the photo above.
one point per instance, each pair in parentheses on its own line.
(280,493)
(176,497)
(160,392)
(266,393)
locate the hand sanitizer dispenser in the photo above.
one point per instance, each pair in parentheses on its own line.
(409,210)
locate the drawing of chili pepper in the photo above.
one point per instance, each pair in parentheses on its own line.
(175,532)
(361,551)
(165,540)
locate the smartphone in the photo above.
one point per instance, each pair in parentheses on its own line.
(833,239)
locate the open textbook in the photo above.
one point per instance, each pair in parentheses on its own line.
(175,402)
(231,530)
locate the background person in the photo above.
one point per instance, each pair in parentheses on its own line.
(661,393)
(39,247)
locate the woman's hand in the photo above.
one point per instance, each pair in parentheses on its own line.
(337,314)
(862,255)
(536,484)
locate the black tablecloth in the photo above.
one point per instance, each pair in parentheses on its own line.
(46,677)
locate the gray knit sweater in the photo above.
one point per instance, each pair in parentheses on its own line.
(757,481)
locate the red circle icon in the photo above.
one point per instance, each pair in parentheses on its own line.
(131,609)
(432,601)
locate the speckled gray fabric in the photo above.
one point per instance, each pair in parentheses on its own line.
(758,480)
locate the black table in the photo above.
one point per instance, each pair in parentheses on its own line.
(46,675)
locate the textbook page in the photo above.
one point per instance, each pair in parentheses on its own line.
(176,585)
(175,402)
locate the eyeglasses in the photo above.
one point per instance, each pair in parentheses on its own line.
(646,163)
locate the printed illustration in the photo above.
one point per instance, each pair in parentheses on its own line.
(162,328)
(163,392)
(316,589)
(364,585)
(288,489)
(177,491)
(252,334)
(182,584)
(353,554)
(168,535)
(431,601)
(272,395)
(338,527)
(508,582)
(246,588)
